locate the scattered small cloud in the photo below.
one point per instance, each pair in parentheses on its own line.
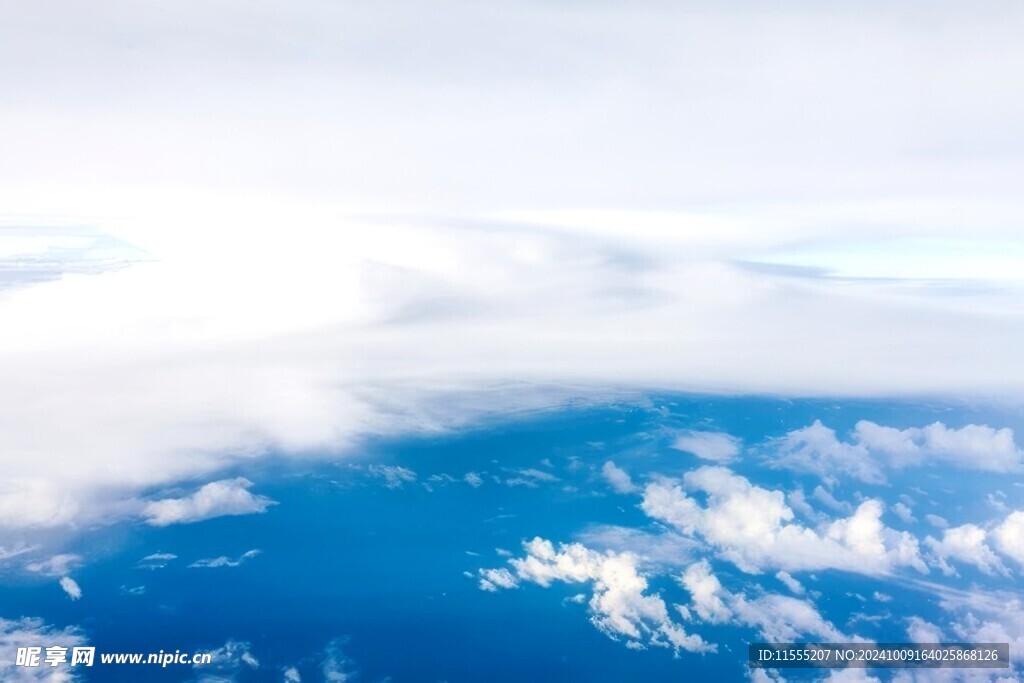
(71,587)
(394,476)
(58,565)
(618,478)
(156,560)
(224,561)
(714,446)
(216,499)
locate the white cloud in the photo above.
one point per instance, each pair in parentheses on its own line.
(922,631)
(493,579)
(291,675)
(850,676)
(965,544)
(531,478)
(904,513)
(618,478)
(620,605)
(224,561)
(71,587)
(833,228)
(58,565)
(984,617)
(394,476)
(714,446)
(663,549)
(216,499)
(777,618)
(33,632)
(753,528)
(936,521)
(830,501)
(1009,536)
(226,662)
(792,584)
(874,448)
(337,667)
(816,449)
(156,560)
(473,479)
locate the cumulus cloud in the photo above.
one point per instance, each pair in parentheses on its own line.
(874,448)
(1009,536)
(224,561)
(71,587)
(778,618)
(493,579)
(33,632)
(620,605)
(291,675)
(753,528)
(714,446)
(965,544)
(922,631)
(216,499)
(618,478)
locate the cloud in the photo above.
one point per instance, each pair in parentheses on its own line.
(661,550)
(816,449)
(531,478)
(936,521)
(473,479)
(337,667)
(71,587)
(965,544)
(58,565)
(875,448)
(778,618)
(33,632)
(291,675)
(904,513)
(1009,536)
(714,446)
(224,561)
(493,579)
(792,584)
(227,662)
(412,307)
(216,499)
(156,560)
(618,478)
(394,476)
(620,606)
(753,528)
(922,631)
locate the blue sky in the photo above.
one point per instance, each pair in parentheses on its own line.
(244,241)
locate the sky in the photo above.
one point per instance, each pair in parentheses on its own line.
(239,231)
